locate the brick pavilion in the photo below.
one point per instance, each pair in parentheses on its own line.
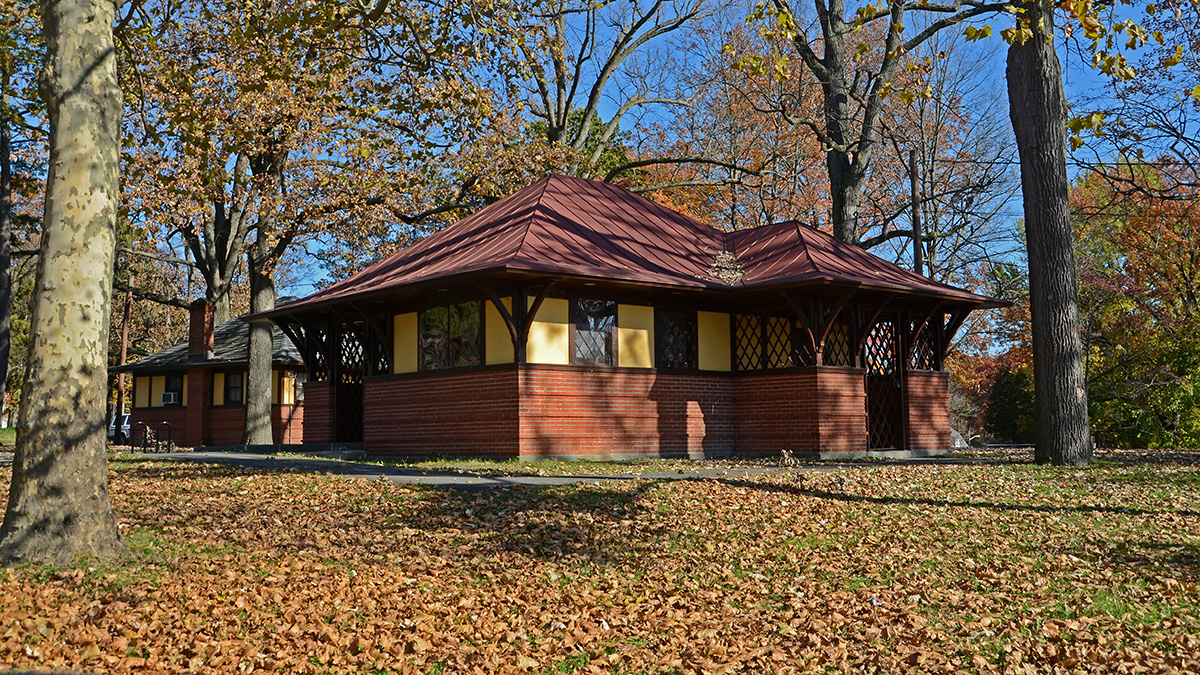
(576,319)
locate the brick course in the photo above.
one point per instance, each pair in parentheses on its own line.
(452,413)
(928,397)
(543,410)
(806,410)
(621,413)
(318,418)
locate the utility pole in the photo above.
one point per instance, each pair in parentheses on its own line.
(917,235)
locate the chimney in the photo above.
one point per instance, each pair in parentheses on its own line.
(200,333)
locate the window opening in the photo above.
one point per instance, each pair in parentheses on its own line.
(593,322)
(677,343)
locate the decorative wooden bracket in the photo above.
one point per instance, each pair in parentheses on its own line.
(912,342)
(870,323)
(957,317)
(518,330)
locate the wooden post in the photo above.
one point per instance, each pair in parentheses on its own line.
(918,244)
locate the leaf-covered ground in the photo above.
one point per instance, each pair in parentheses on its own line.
(981,568)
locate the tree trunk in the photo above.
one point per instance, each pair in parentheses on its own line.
(258,382)
(6,189)
(124,355)
(1038,110)
(58,504)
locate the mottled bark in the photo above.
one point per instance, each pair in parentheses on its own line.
(58,503)
(6,190)
(1038,110)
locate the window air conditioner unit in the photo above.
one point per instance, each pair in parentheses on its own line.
(170,397)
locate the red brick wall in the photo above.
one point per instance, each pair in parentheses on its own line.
(613,413)
(542,410)
(809,410)
(843,396)
(471,413)
(227,425)
(176,416)
(928,394)
(318,418)
(287,423)
(199,396)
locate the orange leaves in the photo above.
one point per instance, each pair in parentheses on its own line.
(890,569)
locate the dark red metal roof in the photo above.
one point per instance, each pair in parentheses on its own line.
(582,228)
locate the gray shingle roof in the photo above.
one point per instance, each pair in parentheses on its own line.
(231,346)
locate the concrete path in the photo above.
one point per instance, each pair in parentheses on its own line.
(464,480)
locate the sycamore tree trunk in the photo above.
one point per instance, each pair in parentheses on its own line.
(6,190)
(58,503)
(1038,109)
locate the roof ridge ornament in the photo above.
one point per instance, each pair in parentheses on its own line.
(727,268)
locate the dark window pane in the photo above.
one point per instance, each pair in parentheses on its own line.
(464,335)
(593,320)
(675,332)
(233,387)
(433,338)
(779,342)
(747,340)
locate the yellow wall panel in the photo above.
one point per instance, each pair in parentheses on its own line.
(549,335)
(218,388)
(158,384)
(141,392)
(499,344)
(183,394)
(712,332)
(635,336)
(287,387)
(404,344)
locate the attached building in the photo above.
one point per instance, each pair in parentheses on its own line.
(576,319)
(197,387)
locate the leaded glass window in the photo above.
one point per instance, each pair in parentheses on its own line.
(747,337)
(675,332)
(593,322)
(449,336)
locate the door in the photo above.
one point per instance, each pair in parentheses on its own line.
(885,386)
(348,383)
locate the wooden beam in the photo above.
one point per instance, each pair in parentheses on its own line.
(912,343)
(870,323)
(828,320)
(537,304)
(957,317)
(805,321)
(513,331)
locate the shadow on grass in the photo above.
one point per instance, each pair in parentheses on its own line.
(959,503)
(372,521)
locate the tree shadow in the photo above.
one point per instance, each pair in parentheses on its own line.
(816,493)
(380,521)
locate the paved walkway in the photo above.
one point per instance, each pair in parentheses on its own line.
(464,479)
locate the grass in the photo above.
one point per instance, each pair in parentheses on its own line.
(884,568)
(8,438)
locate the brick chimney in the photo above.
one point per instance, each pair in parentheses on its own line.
(200,333)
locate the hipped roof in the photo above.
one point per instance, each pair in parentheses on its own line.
(573,227)
(231,347)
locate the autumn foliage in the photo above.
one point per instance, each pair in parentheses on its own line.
(895,569)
